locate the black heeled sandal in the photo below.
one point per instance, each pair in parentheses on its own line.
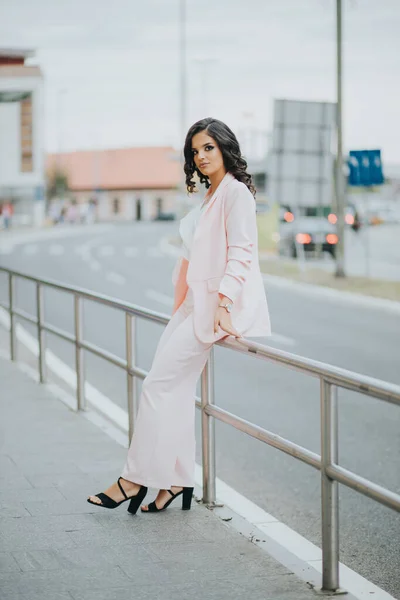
(135,501)
(187,495)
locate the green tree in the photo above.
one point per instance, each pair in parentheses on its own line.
(57,183)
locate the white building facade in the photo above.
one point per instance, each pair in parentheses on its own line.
(22,176)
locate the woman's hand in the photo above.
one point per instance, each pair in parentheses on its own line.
(222,319)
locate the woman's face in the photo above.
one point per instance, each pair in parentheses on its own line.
(206,154)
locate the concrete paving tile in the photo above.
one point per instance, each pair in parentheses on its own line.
(12,511)
(44,594)
(37,560)
(7,466)
(151,532)
(47,524)
(63,580)
(7,562)
(33,540)
(102,538)
(56,546)
(31,495)
(60,480)
(61,507)
(15,482)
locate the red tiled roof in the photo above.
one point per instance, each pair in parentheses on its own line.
(122,169)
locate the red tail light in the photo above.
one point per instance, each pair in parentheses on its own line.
(332,238)
(303,238)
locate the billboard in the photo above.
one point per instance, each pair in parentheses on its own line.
(300,162)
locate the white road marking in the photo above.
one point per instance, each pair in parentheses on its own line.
(56,249)
(168,249)
(58,232)
(85,252)
(95,265)
(6,248)
(106,251)
(154,252)
(288,539)
(131,251)
(115,278)
(30,249)
(159,297)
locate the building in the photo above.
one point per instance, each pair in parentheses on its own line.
(127,184)
(21,135)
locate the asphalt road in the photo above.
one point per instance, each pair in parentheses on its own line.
(126,262)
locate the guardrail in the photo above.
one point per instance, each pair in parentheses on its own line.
(331,378)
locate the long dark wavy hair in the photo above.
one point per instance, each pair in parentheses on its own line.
(226,140)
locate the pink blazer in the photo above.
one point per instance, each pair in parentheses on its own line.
(224,260)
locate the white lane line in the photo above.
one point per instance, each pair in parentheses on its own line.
(56,249)
(115,278)
(154,252)
(85,252)
(57,232)
(288,539)
(168,249)
(30,249)
(6,248)
(131,251)
(106,251)
(159,297)
(95,265)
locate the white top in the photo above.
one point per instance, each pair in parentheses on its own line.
(187,227)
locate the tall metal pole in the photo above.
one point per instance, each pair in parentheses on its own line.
(339,187)
(182,60)
(182,102)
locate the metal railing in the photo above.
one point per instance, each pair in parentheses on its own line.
(331,378)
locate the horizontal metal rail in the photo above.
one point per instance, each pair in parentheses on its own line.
(331,379)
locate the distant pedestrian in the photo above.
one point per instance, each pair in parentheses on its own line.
(7,213)
(73,213)
(219,292)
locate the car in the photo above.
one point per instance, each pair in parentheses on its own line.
(310,233)
(165,217)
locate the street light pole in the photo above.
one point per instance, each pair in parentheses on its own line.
(182,100)
(182,59)
(339,177)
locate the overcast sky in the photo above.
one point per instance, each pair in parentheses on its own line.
(112,68)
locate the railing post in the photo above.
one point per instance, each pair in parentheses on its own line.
(41,333)
(131,356)
(79,366)
(208,432)
(329,488)
(13,339)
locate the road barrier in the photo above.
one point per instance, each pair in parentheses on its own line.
(331,378)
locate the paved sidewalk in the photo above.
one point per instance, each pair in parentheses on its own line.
(56,546)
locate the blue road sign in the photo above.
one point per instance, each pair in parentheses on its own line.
(365,167)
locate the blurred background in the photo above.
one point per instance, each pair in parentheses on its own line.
(95,102)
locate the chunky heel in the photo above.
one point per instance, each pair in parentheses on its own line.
(187,498)
(187,494)
(137,500)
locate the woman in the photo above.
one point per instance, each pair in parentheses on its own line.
(218,292)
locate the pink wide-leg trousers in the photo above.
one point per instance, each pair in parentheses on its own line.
(162,450)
